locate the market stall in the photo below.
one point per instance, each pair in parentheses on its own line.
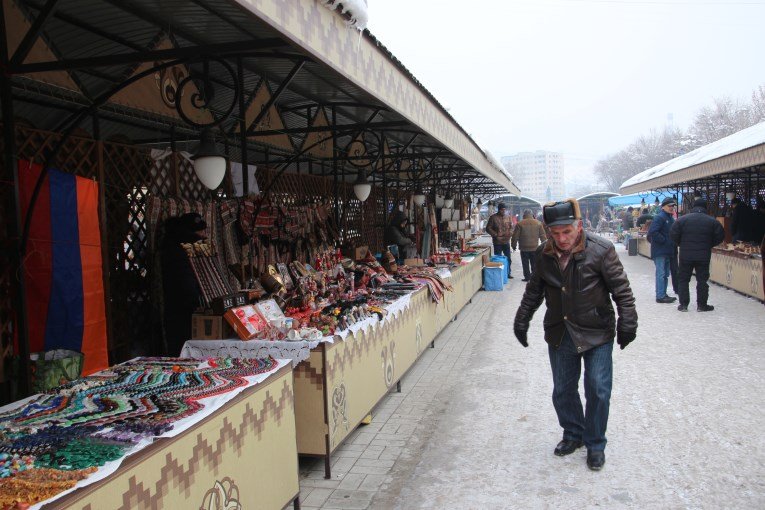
(738,269)
(233,122)
(156,433)
(728,174)
(339,379)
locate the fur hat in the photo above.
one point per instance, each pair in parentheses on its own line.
(561,213)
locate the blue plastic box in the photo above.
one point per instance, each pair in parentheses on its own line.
(492,278)
(503,259)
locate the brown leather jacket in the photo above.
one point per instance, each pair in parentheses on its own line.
(500,228)
(528,233)
(579,298)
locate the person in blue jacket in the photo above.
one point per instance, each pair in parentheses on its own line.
(662,248)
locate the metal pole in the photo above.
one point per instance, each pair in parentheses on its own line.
(16,226)
(243,128)
(335,184)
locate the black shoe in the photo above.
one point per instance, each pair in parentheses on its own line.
(666,299)
(705,308)
(682,308)
(525,280)
(596,459)
(509,277)
(567,447)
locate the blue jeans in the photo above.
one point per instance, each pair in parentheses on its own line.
(662,274)
(566,363)
(504,249)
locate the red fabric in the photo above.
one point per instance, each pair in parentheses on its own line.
(38,260)
(93,347)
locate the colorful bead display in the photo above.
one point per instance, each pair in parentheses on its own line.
(97,419)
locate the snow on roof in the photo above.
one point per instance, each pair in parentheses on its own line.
(744,139)
(599,194)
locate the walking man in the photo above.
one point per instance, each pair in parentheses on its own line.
(500,228)
(662,248)
(578,274)
(528,233)
(696,233)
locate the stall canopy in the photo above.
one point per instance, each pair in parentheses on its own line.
(290,81)
(636,199)
(740,153)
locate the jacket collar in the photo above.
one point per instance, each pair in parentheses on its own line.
(699,209)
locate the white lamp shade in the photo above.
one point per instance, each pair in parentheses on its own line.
(449,203)
(730,195)
(419,199)
(362,190)
(210,170)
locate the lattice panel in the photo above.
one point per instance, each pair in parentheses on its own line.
(189,185)
(358,225)
(128,173)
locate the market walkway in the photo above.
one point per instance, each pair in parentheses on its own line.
(474,426)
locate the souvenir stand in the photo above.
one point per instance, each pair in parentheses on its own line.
(719,172)
(231,110)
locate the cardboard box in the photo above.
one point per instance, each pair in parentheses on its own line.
(456,215)
(414,262)
(462,224)
(210,327)
(270,311)
(445,214)
(246,321)
(451,226)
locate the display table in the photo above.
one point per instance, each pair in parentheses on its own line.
(340,380)
(737,271)
(337,387)
(644,247)
(243,455)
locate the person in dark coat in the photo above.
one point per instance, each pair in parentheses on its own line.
(628,221)
(662,248)
(696,234)
(181,290)
(578,274)
(500,228)
(645,216)
(742,226)
(395,233)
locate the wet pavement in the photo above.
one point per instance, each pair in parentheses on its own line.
(474,425)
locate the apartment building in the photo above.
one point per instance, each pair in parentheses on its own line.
(538,174)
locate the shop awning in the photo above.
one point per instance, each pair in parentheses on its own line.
(316,92)
(740,150)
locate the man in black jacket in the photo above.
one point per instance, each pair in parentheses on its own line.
(578,273)
(695,234)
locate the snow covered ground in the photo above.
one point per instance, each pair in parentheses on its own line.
(475,428)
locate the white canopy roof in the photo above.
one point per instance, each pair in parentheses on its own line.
(739,150)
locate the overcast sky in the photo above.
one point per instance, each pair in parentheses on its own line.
(582,77)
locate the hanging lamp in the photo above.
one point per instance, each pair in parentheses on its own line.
(419,197)
(362,187)
(209,165)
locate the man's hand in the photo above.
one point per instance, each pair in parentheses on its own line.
(624,338)
(521,331)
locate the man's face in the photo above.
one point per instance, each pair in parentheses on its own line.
(669,208)
(503,212)
(565,236)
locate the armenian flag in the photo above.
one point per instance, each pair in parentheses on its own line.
(62,266)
